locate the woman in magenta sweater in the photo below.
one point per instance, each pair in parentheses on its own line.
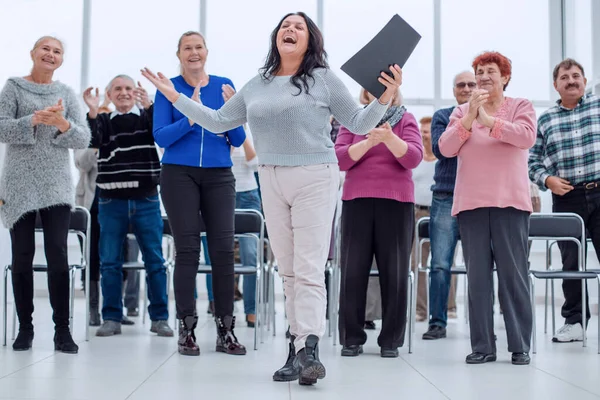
(377,219)
(491,136)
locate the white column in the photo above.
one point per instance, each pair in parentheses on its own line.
(85,44)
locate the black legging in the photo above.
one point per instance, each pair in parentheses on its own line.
(187,192)
(55,223)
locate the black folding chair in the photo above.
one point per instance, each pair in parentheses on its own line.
(80,226)
(562,227)
(249,223)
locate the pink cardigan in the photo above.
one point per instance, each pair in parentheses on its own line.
(378,174)
(492,163)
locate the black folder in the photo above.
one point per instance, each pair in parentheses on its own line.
(392,45)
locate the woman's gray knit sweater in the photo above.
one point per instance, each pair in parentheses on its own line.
(37,163)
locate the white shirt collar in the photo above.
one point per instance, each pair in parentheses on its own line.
(135,110)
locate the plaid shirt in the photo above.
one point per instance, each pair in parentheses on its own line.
(567,144)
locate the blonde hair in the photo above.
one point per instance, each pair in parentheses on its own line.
(40,40)
(364,97)
(184,35)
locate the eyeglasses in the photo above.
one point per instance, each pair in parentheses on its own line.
(461,85)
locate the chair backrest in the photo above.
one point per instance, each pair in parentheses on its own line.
(246,221)
(80,220)
(422,228)
(556,225)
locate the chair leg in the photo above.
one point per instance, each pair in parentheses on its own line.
(532,295)
(258,321)
(144,311)
(411,315)
(584,311)
(546,307)
(72,302)
(553,307)
(5,317)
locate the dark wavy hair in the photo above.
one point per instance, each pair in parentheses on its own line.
(315,56)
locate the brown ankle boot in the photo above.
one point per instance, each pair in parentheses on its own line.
(226,340)
(186,344)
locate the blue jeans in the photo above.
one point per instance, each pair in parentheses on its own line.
(443,231)
(115,217)
(248,252)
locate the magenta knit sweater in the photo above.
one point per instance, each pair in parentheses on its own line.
(378,174)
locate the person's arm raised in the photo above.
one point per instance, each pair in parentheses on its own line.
(231,115)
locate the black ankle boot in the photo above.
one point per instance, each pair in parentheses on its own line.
(226,340)
(290,371)
(64,342)
(94,304)
(186,344)
(24,339)
(308,361)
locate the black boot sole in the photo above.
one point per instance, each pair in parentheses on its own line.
(352,352)
(21,348)
(288,378)
(184,351)
(310,374)
(60,348)
(486,359)
(221,349)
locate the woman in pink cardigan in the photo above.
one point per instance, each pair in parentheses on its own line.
(377,219)
(491,136)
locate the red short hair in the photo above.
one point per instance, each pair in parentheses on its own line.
(493,57)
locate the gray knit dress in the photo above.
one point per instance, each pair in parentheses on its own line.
(37,162)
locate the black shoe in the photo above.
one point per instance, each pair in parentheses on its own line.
(434,332)
(389,352)
(352,351)
(186,344)
(480,358)
(95,319)
(211,308)
(290,371)
(520,358)
(24,340)
(370,325)
(63,341)
(288,335)
(133,312)
(308,361)
(227,342)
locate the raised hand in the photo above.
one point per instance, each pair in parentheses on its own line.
(92,100)
(162,83)
(196,98)
(484,118)
(478,98)
(392,83)
(228,92)
(141,96)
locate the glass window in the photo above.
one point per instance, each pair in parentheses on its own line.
(21,27)
(239,41)
(516,28)
(351,24)
(581,47)
(129,35)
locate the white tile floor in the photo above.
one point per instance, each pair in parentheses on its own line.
(139,365)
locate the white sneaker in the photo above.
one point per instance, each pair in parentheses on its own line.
(569,333)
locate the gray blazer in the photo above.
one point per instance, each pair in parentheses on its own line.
(86,162)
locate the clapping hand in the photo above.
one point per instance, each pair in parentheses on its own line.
(228,92)
(382,134)
(162,83)
(92,100)
(141,96)
(52,116)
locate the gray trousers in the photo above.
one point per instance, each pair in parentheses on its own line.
(497,236)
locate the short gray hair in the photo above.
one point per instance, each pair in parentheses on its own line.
(460,73)
(123,76)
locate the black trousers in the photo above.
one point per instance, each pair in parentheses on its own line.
(55,223)
(383,228)
(585,203)
(497,235)
(186,193)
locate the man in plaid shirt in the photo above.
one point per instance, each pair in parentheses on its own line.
(566,160)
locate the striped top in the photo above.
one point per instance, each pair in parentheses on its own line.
(128,164)
(567,144)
